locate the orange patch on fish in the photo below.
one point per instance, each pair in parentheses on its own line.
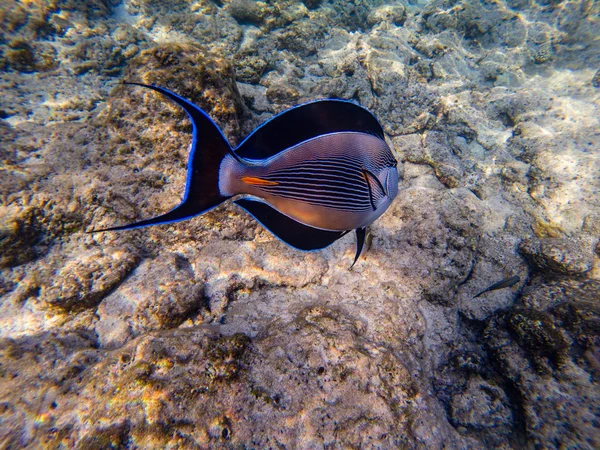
(258,181)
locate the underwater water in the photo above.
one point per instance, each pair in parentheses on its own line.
(211,332)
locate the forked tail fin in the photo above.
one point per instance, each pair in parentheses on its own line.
(202,186)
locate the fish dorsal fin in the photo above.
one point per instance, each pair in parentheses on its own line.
(305,122)
(376,190)
(288,230)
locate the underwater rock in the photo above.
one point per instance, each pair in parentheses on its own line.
(27,232)
(83,282)
(478,25)
(246,11)
(107,54)
(543,292)
(282,94)
(155,384)
(204,78)
(596,79)
(580,317)
(394,14)
(537,334)
(328,383)
(212,333)
(140,306)
(202,23)
(531,354)
(250,69)
(481,405)
(312,4)
(563,256)
(23,57)
(435,151)
(20,56)
(50,361)
(352,15)
(13,15)
(91,9)
(18,239)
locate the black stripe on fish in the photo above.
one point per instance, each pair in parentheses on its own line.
(339,206)
(340,179)
(319,167)
(343,186)
(324,195)
(321,184)
(352,202)
(325,163)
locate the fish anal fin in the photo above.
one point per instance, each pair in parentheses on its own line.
(293,233)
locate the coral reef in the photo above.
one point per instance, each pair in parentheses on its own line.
(212,333)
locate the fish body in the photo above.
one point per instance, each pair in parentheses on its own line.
(328,182)
(507,282)
(309,175)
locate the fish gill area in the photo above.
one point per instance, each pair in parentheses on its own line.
(211,333)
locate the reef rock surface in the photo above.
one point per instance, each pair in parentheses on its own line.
(211,333)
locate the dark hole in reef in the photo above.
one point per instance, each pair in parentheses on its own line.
(506,120)
(473,32)
(225,434)
(312,4)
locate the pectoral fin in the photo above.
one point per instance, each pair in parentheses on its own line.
(376,190)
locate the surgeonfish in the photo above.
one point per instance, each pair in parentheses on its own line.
(507,282)
(309,175)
